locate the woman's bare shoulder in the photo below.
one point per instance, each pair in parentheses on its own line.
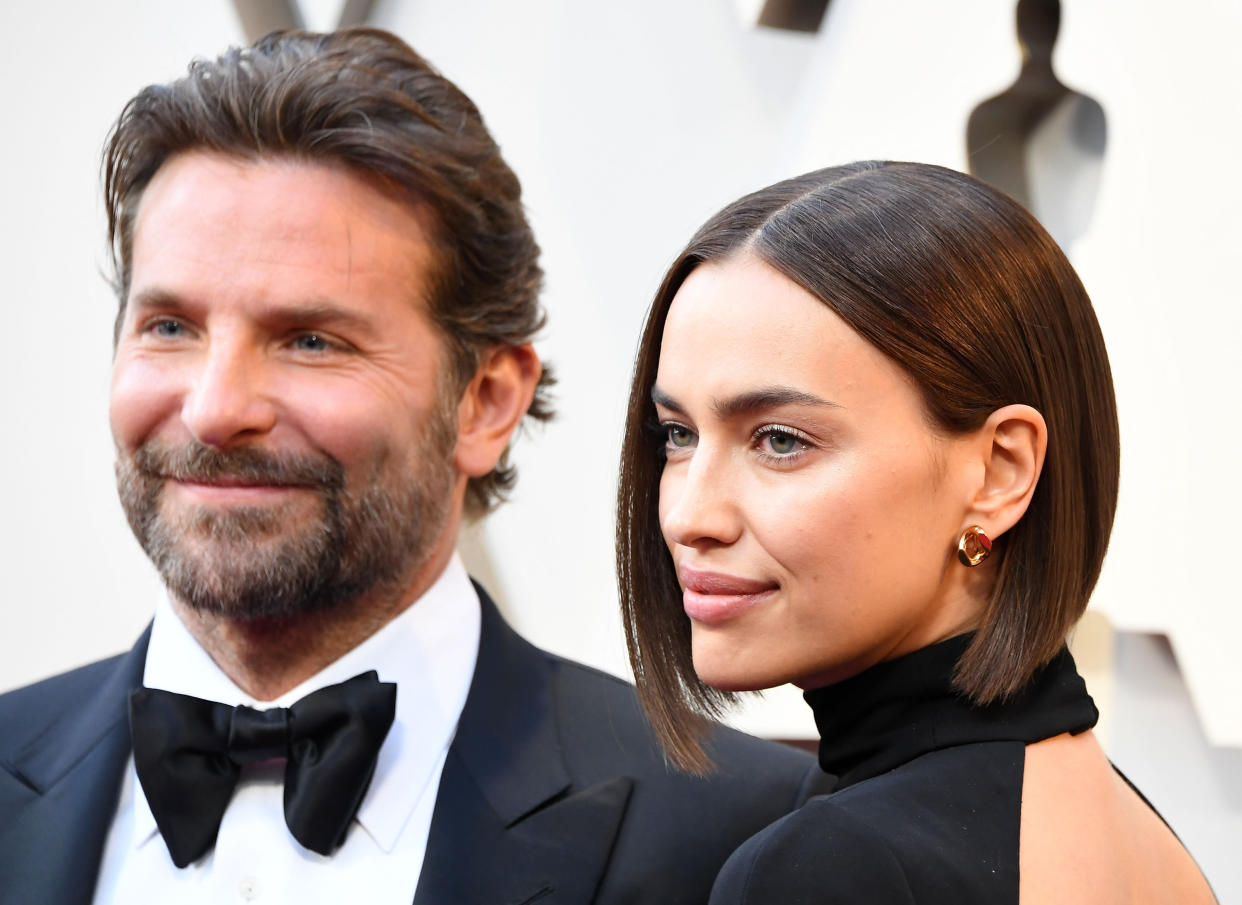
(1088,837)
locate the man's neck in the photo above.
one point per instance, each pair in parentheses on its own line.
(267,657)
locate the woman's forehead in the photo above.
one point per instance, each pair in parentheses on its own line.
(740,324)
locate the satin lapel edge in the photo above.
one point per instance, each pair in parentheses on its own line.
(508,827)
(557,856)
(511,698)
(55,750)
(71,767)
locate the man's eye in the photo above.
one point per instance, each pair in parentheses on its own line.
(168,329)
(312,342)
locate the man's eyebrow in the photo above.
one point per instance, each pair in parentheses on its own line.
(154,298)
(320,312)
(749,403)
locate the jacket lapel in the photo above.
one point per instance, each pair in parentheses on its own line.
(509,826)
(61,778)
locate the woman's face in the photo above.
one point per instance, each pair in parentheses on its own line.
(811,510)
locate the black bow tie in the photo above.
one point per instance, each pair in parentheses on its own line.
(189,754)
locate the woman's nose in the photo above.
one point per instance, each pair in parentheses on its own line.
(698,502)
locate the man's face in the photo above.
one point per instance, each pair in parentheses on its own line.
(283,427)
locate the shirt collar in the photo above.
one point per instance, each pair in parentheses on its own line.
(429,650)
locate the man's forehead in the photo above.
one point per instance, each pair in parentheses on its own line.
(319,231)
(211,186)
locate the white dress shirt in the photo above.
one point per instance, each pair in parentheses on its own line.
(429,651)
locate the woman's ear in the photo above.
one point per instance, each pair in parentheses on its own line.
(492,406)
(1014,440)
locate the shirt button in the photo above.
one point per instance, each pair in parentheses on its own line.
(249,889)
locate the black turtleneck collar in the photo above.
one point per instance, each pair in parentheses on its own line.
(903,708)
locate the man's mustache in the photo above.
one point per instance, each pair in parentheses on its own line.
(245,464)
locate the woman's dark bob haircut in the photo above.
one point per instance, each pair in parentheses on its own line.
(960,286)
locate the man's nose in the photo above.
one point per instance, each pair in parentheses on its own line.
(227,401)
(702,504)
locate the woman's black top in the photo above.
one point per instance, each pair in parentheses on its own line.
(927,807)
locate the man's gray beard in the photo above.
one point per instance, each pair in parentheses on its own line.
(248,562)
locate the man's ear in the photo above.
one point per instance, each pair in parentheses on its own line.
(493,405)
(1013,442)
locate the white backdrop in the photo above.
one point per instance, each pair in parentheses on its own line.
(629,123)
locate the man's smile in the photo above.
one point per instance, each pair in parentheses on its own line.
(225,491)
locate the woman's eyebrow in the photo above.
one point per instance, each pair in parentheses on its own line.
(664,400)
(766,398)
(750,402)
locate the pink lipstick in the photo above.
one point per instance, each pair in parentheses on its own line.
(712,597)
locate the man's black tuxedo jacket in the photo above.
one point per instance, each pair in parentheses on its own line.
(554,790)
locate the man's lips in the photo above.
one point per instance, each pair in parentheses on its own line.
(712,597)
(223,490)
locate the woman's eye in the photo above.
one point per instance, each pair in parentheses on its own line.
(776,443)
(781,443)
(679,436)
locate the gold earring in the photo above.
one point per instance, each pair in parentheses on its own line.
(973,546)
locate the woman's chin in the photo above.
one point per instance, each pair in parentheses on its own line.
(730,675)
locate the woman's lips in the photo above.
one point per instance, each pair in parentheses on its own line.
(711,597)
